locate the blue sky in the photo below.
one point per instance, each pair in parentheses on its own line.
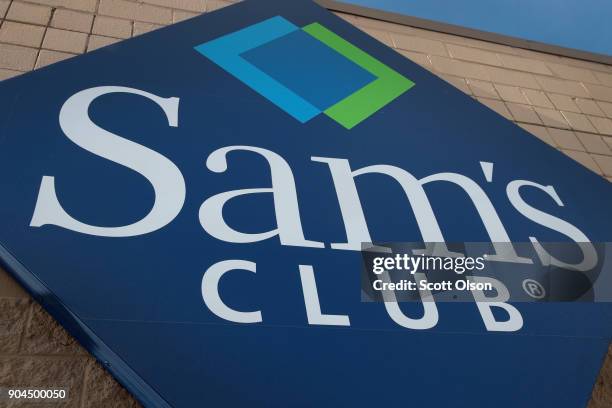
(581,24)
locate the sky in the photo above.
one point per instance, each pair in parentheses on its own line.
(580,24)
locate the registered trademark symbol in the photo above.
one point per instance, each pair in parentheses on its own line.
(534,289)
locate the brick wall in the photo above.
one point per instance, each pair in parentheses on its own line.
(565,102)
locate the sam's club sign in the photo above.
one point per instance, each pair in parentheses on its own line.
(192,204)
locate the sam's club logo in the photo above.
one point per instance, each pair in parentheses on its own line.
(307,71)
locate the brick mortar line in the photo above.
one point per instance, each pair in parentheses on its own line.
(28,321)
(546,93)
(93,14)
(553,75)
(84,385)
(601,172)
(206,4)
(534,74)
(518,122)
(566,63)
(597,67)
(569,130)
(504,102)
(43,37)
(563,150)
(63,7)
(48,357)
(69,29)
(33,3)
(93,21)
(5,13)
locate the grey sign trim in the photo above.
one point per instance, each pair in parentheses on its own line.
(463,32)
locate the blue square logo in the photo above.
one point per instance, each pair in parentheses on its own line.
(310,68)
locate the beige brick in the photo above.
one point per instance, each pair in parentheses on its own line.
(463,41)
(537,98)
(382,36)
(98,41)
(511,94)
(135,11)
(7,73)
(589,107)
(21,34)
(141,28)
(63,40)
(29,13)
(608,141)
(45,372)
(459,68)
(578,121)
(515,78)
(9,288)
(421,59)
(497,106)
(604,78)
(72,20)
(575,74)
(594,143)
(563,102)
(539,56)
(421,33)
(603,125)
(4,5)
(17,58)
(83,5)
(47,57)
(473,55)
(606,108)
(562,86)
(190,5)
(540,132)
(593,66)
(524,64)
(180,15)
(346,17)
(13,318)
(102,391)
(483,89)
(357,21)
(498,48)
(551,117)
(565,139)
(424,45)
(43,335)
(457,82)
(604,163)
(112,27)
(585,159)
(599,92)
(212,5)
(523,113)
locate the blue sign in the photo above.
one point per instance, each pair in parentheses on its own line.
(191,204)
